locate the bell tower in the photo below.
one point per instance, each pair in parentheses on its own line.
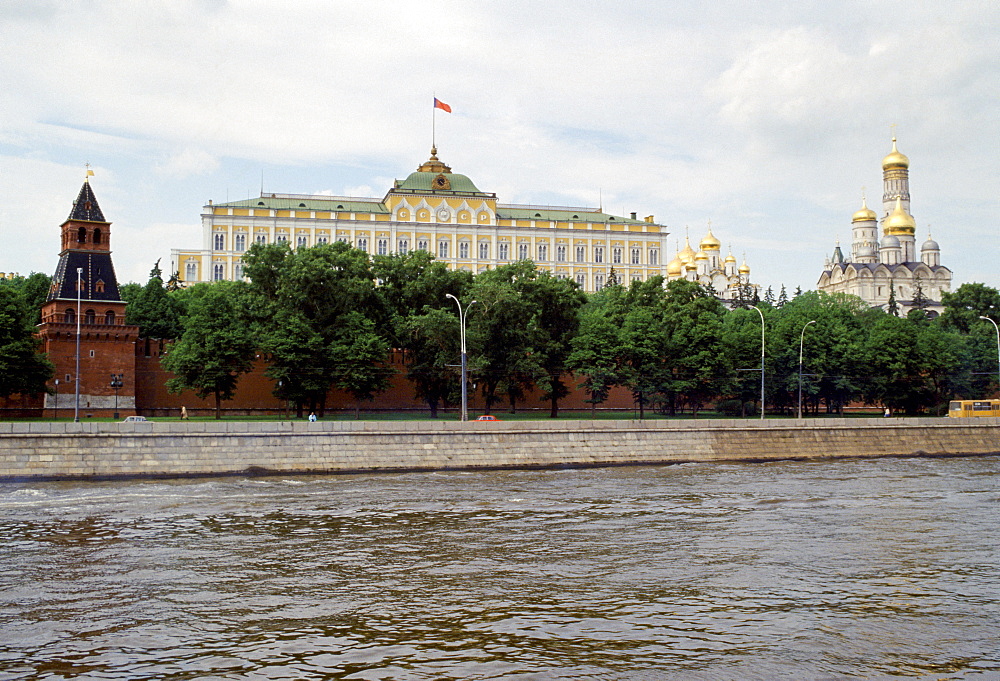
(84,310)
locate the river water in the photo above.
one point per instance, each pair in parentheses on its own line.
(808,570)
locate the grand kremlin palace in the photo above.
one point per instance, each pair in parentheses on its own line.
(444,213)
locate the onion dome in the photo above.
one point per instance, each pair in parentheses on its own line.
(899,221)
(730,258)
(889,241)
(701,255)
(895,159)
(744,268)
(866,251)
(675,267)
(930,244)
(690,266)
(710,243)
(866,214)
(687,253)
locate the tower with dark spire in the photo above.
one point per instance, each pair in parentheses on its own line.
(85,289)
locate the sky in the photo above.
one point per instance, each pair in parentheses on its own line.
(768,119)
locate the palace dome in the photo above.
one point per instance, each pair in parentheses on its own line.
(899,221)
(866,214)
(710,243)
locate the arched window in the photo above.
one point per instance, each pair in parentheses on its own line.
(97,235)
(218,272)
(99,286)
(89,317)
(484,250)
(69,316)
(522,251)
(599,254)
(81,235)
(463,249)
(241,242)
(190,271)
(504,251)
(109,317)
(219,242)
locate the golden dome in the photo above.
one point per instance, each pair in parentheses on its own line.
(899,221)
(710,243)
(866,214)
(730,258)
(690,267)
(687,253)
(675,267)
(701,255)
(744,268)
(895,159)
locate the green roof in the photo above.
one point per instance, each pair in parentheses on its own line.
(562,215)
(421,182)
(319,203)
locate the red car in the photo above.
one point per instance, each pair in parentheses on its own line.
(488,417)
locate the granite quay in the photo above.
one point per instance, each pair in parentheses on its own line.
(62,451)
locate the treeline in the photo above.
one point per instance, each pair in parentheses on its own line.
(328,317)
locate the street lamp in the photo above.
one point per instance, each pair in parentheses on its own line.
(998,341)
(761,362)
(116,382)
(802,337)
(56,408)
(462,315)
(79,293)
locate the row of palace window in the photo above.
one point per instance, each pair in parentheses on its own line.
(503,249)
(89,317)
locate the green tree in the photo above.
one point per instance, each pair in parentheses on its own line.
(556,305)
(893,307)
(22,369)
(432,344)
(217,345)
(154,310)
(594,351)
(967,303)
(32,290)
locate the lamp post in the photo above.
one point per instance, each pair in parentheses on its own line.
(462,314)
(79,293)
(761,362)
(116,382)
(998,341)
(55,410)
(802,337)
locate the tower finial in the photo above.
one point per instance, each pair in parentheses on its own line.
(89,173)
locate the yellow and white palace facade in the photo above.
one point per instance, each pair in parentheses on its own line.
(441,212)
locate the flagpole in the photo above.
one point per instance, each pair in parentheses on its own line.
(433,123)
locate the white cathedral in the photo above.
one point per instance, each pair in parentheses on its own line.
(879,268)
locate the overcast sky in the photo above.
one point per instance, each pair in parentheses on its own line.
(766,118)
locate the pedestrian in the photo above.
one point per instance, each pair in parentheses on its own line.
(184,414)
(888,413)
(312,416)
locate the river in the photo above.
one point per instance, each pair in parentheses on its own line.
(882,568)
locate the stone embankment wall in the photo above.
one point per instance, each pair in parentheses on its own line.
(40,451)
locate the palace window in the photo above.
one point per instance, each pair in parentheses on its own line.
(241,242)
(109,317)
(218,272)
(598,253)
(654,256)
(636,277)
(581,253)
(422,244)
(383,246)
(560,254)
(635,256)
(581,280)
(598,282)
(261,238)
(442,249)
(89,317)
(463,249)
(616,256)
(484,250)
(69,316)
(504,251)
(219,242)
(190,271)
(238,271)
(363,244)
(522,251)
(301,241)
(543,252)
(281,239)
(322,240)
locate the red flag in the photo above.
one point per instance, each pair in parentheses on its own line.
(438,104)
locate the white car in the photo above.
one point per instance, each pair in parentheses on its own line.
(134,419)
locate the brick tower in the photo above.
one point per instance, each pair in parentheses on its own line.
(84,302)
